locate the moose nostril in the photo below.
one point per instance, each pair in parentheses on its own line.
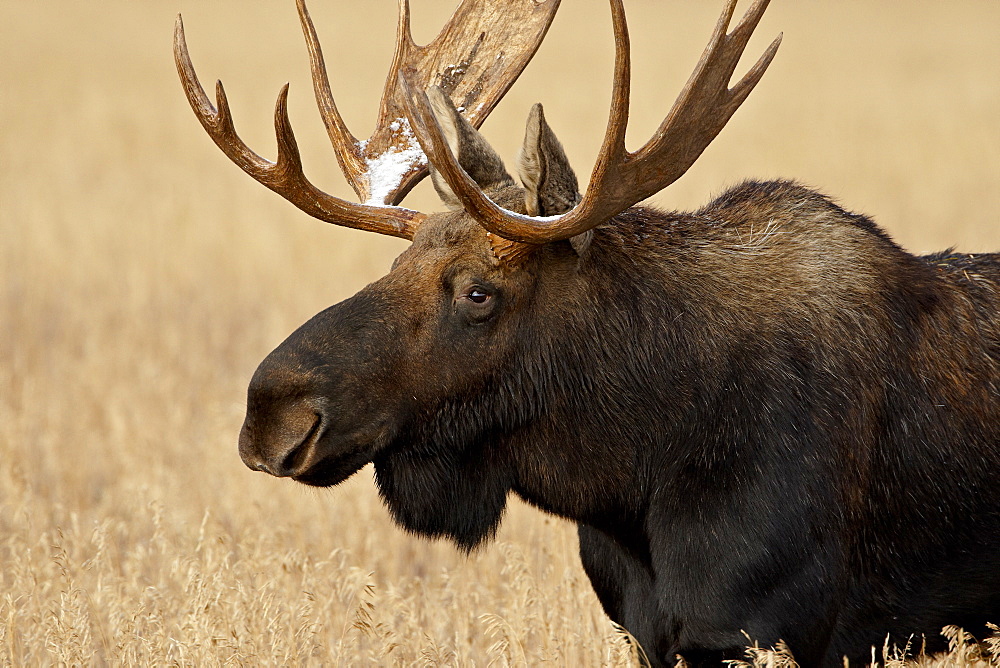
(298,457)
(282,441)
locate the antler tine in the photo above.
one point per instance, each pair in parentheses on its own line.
(706,103)
(740,91)
(284,177)
(404,46)
(620,178)
(345,144)
(613,151)
(742,32)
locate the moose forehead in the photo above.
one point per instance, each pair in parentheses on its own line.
(452,235)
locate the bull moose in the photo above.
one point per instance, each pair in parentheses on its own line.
(764,416)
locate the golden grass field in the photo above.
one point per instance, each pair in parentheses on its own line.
(143,277)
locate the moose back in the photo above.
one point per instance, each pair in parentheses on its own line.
(764,416)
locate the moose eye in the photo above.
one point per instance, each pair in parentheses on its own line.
(477,295)
(476,303)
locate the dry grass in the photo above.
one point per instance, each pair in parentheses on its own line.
(143,277)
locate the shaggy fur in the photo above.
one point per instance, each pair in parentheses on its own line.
(764,416)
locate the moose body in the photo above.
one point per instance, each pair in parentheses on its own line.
(766,418)
(809,444)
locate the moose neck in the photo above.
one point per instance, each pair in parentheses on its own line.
(611,367)
(599,344)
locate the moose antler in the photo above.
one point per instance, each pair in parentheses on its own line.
(476,58)
(620,178)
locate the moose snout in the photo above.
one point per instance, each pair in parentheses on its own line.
(282,440)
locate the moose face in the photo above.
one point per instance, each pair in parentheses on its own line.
(343,385)
(446,319)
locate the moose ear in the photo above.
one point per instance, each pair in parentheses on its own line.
(549,182)
(550,186)
(470,148)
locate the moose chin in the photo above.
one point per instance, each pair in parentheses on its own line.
(764,415)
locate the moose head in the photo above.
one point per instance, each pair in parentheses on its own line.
(472,295)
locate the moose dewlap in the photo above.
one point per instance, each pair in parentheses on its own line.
(764,416)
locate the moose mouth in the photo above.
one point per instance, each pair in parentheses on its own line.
(333,470)
(345,458)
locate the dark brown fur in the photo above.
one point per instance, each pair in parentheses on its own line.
(764,416)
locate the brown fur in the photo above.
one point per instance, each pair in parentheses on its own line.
(764,415)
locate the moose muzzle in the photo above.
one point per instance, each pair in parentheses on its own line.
(282,440)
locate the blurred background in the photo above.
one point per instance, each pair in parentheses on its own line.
(143,277)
